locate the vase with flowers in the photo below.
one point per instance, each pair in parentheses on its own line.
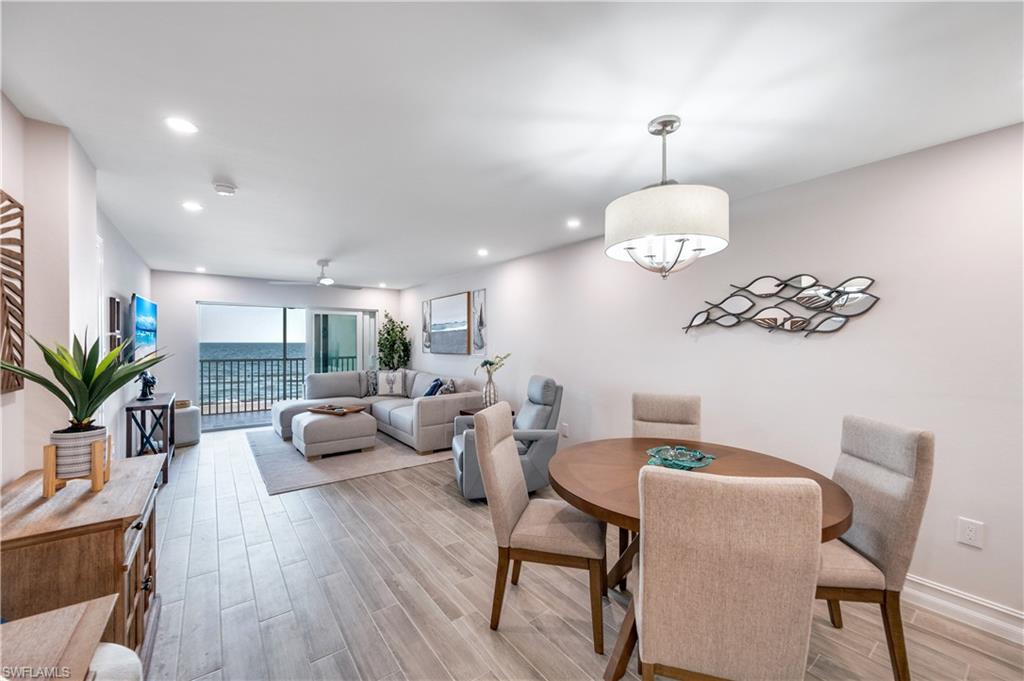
(491,366)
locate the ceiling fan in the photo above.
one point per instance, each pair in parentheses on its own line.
(321,280)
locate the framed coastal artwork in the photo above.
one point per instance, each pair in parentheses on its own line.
(479,322)
(449,324)
(425,330)
(455,324)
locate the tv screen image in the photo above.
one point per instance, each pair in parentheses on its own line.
(144,316)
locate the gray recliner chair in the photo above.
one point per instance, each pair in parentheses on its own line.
(535,430)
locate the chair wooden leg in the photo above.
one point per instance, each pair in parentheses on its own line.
(835,614)
(499,586)
(648,671)
(623,540)
(624,644)
(604,577)
(517,565)
(597,579)
(893,621)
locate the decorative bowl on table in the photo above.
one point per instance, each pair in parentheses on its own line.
(678,457)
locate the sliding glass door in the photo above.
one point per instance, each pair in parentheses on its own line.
(252,356)
(340,340)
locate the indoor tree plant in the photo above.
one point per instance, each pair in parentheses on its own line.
(491,366)
(393,345)
(84,381)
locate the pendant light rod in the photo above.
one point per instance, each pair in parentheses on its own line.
(662,127)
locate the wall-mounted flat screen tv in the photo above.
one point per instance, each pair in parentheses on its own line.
(144,325)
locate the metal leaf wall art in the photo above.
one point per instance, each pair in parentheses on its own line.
(801,304)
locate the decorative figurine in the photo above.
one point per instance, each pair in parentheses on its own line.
(148,383)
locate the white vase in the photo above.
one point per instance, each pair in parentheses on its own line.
(74,450)
(490,393)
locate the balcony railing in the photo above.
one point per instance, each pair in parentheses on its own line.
(235,386)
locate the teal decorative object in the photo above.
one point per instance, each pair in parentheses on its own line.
(678,457)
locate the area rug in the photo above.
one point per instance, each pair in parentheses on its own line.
(284,469)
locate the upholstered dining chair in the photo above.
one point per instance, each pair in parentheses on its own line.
(673,417)
(676,417)
(887,471)
(727,572)
(534,530)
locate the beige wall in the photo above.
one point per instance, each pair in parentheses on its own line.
(45,168)
(177,293)
(12,180)
(939,229)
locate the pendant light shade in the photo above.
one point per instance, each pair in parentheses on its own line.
(667,226)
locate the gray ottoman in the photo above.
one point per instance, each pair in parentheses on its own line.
(318,434)
(186,426)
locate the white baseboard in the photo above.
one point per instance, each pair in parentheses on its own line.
(964,607)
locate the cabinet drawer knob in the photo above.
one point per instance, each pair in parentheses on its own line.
(137,526)
(147,584)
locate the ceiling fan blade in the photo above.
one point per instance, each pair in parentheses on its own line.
(292,283)
(347,286)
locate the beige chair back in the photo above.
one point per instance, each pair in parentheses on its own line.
(500,469)
(887,471)
(728,570)
(675,417)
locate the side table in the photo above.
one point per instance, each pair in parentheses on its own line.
(137,413)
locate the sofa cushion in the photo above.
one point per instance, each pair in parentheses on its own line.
(421,384)
(391,382)
(401,418)
(410,378)
(383,408)
(448,388)
(334,384)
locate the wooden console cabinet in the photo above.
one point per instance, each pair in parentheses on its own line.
(79,545)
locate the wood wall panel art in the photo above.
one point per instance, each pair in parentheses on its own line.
(12,289)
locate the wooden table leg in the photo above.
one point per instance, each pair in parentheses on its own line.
(623,566)
(624,645)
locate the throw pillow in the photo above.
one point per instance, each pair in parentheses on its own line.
(371,382)
(391,382)
(435,385)
(448,388)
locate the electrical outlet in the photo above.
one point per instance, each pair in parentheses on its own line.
(970,532)
(564,429)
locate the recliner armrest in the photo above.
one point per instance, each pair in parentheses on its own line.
(534,435)
(462,424)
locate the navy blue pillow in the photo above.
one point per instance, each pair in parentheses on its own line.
(434,387)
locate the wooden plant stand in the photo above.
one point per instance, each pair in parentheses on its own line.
(99,469)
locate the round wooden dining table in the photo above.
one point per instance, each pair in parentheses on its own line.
(602,477)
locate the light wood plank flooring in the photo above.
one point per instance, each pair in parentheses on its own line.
(390,577)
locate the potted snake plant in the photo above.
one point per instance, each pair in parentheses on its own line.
(84,381)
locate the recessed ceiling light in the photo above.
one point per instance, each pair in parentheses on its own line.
(482,252)
(573,223)
(225,188)
(382,285)
(192,206)
(181,126)
(200,269)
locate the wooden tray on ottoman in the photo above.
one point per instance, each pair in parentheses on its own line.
(331,410)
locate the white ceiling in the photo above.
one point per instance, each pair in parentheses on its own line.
(397,139)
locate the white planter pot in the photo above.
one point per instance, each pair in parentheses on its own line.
(74,450)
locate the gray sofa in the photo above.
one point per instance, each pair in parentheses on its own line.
(423,423)
(535,431)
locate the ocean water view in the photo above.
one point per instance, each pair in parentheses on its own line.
(249,350)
